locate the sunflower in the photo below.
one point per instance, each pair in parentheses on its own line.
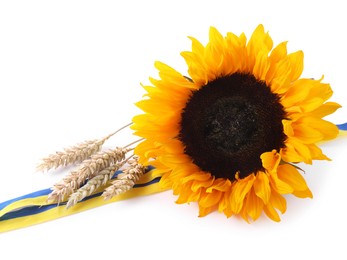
(228,136)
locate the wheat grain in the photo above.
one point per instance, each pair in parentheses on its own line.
(89,169)
(96,182)
(126,180)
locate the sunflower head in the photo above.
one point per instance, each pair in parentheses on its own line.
(228,136)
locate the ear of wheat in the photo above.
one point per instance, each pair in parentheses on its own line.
(89,168)
(71,155)
(93,184)
(126,180)
(75,154)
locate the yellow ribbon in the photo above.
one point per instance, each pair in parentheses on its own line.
(147,185)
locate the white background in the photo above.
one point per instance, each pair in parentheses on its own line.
(71,71)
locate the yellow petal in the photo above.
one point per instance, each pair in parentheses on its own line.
(321,90)
(298,92)
(197,176)
(325,109)
(296,60)
(180,173)
(184,194)
(289,154)
(271,213)
(210,199)
(225,202)
(214,54)
(228,210)
(220,185)
(167,70)
(278,53)
(326,128)
(270,160)
(259,36)
(197,47)
(280,81)
(147,150)
(307,134)
(308,94)
(287,127)
(311,104)
(205,211)
(303,194)
(173,161)
(159,172)
(174,146)
(236,52)
(317,153)
(262,187)
(302,150)
(280,84)
(258,41)
(280,186)
(196,67)
(292,177)
(239,191)
(202,184)
(253,206)
(278,202)
(261,66)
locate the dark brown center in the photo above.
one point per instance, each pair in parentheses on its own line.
(228,123)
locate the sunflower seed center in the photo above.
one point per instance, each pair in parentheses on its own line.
(228,123)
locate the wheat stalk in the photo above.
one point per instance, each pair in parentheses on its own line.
(96,182)
(89,169)
(126,180)
(75,154)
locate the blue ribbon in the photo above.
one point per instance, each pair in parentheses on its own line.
(342,126)
(33,210)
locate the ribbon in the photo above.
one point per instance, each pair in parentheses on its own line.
(33,208)
(342,127)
